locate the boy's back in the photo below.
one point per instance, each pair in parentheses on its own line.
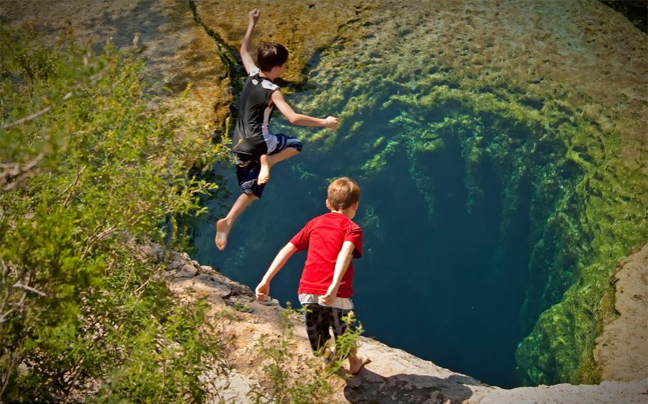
(323,237)
(251,134)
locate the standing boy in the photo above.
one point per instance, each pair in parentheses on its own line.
(257,150)
(325,287)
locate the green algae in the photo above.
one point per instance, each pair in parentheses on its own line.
(616,222)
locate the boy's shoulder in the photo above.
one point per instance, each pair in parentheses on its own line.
(354,226)
(255,79)
(335,219)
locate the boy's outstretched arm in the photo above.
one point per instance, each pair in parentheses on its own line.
(248,62)
(262,290)
(341,266)
(278,99)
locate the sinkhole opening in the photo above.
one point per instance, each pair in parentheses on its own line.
(448,237)
(444,274)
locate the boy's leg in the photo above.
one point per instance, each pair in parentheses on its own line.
(264,174)
(224,225)
(317,328)
(356,362)
(282,155)
(247,173)
(287,147)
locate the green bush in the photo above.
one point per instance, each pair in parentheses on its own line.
(88,161)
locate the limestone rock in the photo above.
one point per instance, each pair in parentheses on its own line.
(606,393)
(393,376)
(622,347)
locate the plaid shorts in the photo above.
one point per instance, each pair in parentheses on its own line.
(247,171)
(319,320)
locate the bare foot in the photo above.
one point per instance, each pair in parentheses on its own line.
(222,231)
(356,363)
(264,174)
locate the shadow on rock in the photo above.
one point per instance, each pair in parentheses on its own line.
(371,388)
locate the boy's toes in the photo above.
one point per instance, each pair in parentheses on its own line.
(221,241)
(357,365)
(263,180)
(222,231)
(264,175)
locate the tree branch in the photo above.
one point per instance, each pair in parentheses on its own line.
(34,115)
(13,174)
(29,288)
(73,186)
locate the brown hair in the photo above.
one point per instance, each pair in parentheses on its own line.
(343,193)
(271,54)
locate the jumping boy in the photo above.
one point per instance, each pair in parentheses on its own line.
(325,287)
(256,149)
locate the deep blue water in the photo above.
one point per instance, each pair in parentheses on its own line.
(445,286)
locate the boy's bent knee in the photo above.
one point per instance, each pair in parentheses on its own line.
(295,144)
(285,142)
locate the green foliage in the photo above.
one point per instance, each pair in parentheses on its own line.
(347,343)
(90,162)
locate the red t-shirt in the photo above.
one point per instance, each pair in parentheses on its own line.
(323,238)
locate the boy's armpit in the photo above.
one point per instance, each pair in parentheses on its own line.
(354,236)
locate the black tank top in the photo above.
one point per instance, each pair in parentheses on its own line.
(254,117)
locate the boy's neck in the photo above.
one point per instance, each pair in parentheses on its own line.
(348,212)
(268,75)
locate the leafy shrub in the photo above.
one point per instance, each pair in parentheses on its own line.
(88,160)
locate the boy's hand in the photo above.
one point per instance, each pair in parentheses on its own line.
(329,297)
(253,16)
(331,122)
(262,291)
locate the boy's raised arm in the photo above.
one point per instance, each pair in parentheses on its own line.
(248,62)
(341,266)
(278,99)
(262,290)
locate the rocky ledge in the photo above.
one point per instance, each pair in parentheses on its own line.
(393,376)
